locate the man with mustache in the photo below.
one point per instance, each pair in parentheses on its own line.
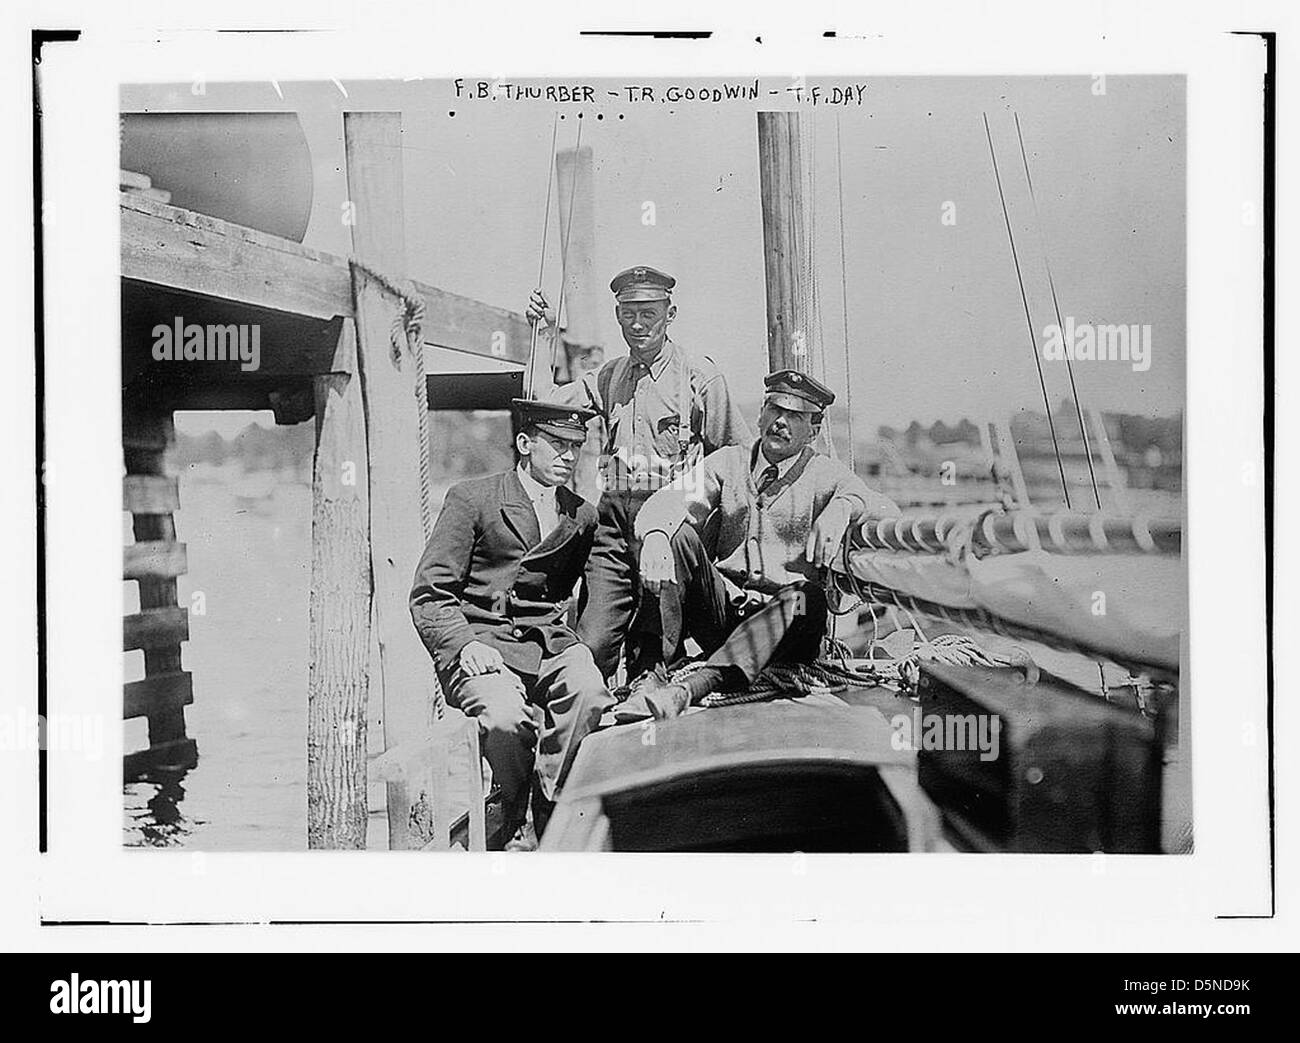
(490,600)
(747,586)
(663,410)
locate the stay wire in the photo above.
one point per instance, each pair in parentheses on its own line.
(844,292)
(1069,365)
(1029,322)
(564,248)
(541,261)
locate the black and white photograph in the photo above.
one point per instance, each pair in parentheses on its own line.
(653,483)
(715,465)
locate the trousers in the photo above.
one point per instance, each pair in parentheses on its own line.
(732,627)
(532,725)
(611,582)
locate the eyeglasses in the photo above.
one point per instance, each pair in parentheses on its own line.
(562,446)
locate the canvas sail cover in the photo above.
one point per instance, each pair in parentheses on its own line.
(1128,606)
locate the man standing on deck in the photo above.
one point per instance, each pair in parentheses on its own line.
(490,598)
(750,591)
(663,410)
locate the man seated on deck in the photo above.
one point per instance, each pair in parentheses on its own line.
(776,513)
(490,599)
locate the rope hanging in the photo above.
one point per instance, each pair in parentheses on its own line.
(407,334)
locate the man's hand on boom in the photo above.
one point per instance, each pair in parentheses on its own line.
(827,534)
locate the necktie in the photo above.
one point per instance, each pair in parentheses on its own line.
(766,479)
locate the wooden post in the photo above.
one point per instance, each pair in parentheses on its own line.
(337,811)
(581,301)
(1007,450)
(582,349)
(393,398)
(784,239)
(1118,493)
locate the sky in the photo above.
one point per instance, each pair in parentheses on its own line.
(936,325)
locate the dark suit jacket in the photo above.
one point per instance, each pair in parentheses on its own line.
(486,575)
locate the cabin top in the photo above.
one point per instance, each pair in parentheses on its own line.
(731,737)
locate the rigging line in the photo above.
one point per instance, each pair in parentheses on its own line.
(810,318)
(564,249)
(815,358)
(1029,322)
(1069,365)
(541,261)
(816,354)
(844,290)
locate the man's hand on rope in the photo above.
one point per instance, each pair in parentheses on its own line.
(477,658)
(539,310)
(827,534)
(657,567)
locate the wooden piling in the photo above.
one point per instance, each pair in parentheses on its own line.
(339,670)
(393,398)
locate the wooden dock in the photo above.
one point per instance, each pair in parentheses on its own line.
(326,353)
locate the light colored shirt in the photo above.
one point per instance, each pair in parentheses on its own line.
(761,464)
(542,497)
(643,408)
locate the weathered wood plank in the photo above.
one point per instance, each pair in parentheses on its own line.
(339,671)
(173,247)
(168,246)
(163,627)
(150,494)
(453,321)
(158,195)
(130,179)
(170,757)
(153,559)
(166,692)
(373,147)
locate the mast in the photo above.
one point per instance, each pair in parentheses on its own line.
(785,239)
